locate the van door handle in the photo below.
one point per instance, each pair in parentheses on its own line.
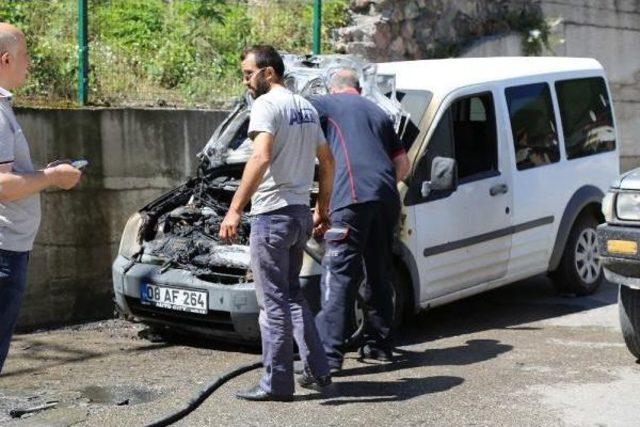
(498,189)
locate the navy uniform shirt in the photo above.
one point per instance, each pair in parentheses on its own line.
(363,142)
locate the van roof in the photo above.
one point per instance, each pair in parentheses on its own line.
(445,75)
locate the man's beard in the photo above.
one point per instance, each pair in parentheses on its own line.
(262,87)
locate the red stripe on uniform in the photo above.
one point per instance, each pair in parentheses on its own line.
(397,152)
(346,157)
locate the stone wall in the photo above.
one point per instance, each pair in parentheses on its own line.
(384,30)
(135,156)
(608,30)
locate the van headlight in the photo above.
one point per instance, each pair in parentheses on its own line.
(129,244)
(607,207)
(628,206)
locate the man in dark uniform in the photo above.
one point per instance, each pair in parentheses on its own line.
(365,205)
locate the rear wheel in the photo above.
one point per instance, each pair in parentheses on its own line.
(629,308)
(580,270)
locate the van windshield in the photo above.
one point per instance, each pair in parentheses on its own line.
(414,103)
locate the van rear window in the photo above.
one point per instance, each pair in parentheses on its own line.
(587,121)
(533,125)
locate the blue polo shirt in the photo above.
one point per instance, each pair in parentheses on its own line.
(363,142)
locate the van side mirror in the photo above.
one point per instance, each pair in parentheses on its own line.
(444,176)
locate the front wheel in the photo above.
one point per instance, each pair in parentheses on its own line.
(580,270)
(629,308)
(398,297)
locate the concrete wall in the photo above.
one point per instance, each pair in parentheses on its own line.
(135,156)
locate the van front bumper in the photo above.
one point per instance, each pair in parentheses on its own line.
(232,309)
(622,266)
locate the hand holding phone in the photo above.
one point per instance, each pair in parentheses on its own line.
(80,164)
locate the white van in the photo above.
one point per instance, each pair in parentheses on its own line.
(510,160)
(534,148)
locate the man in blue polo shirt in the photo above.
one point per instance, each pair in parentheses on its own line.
(365,205)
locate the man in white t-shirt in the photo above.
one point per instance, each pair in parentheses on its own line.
(287,139)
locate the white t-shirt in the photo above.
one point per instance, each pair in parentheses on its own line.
(295,126)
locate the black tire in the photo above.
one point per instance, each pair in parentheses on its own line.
(399,295)
(629,308)
(574,275)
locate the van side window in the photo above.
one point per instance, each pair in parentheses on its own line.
(587,121)
(466,132)
(533,125)
(474,133)
(440,145)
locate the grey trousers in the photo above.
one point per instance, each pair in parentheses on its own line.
(277,242)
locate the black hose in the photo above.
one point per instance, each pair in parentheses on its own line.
(206,392)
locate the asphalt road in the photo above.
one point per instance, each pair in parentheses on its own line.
(515,356)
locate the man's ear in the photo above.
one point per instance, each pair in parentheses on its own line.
(270,74)
(5,58)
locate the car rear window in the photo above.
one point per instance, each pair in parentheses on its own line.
(587,121)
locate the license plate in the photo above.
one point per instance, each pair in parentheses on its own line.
(626,247)
(191,301)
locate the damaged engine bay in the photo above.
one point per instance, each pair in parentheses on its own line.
(180,229)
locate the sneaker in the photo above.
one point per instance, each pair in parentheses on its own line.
(308,381)
(368,351)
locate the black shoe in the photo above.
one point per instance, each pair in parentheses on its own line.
(321,384)
(369,351)
(257,394)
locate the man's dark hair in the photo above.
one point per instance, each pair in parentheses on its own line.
(265,56)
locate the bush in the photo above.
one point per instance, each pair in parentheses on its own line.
(158,51)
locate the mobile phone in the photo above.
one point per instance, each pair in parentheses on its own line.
(80,164)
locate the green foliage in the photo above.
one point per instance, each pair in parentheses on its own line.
(159,51)
(136,25)
(53,71)
(537,33)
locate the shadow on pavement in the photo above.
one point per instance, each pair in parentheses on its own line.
(504,308)
(474,351)
(388,391)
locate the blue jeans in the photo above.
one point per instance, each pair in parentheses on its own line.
(13,281)
(276,243)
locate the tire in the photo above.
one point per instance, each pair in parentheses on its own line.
(580,270)
(399,297)
(629,308)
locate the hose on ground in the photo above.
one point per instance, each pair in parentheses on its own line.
(197,400)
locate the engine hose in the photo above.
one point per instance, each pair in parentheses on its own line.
(197,400)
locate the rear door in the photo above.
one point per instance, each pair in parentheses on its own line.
(464,236)
(541,176)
